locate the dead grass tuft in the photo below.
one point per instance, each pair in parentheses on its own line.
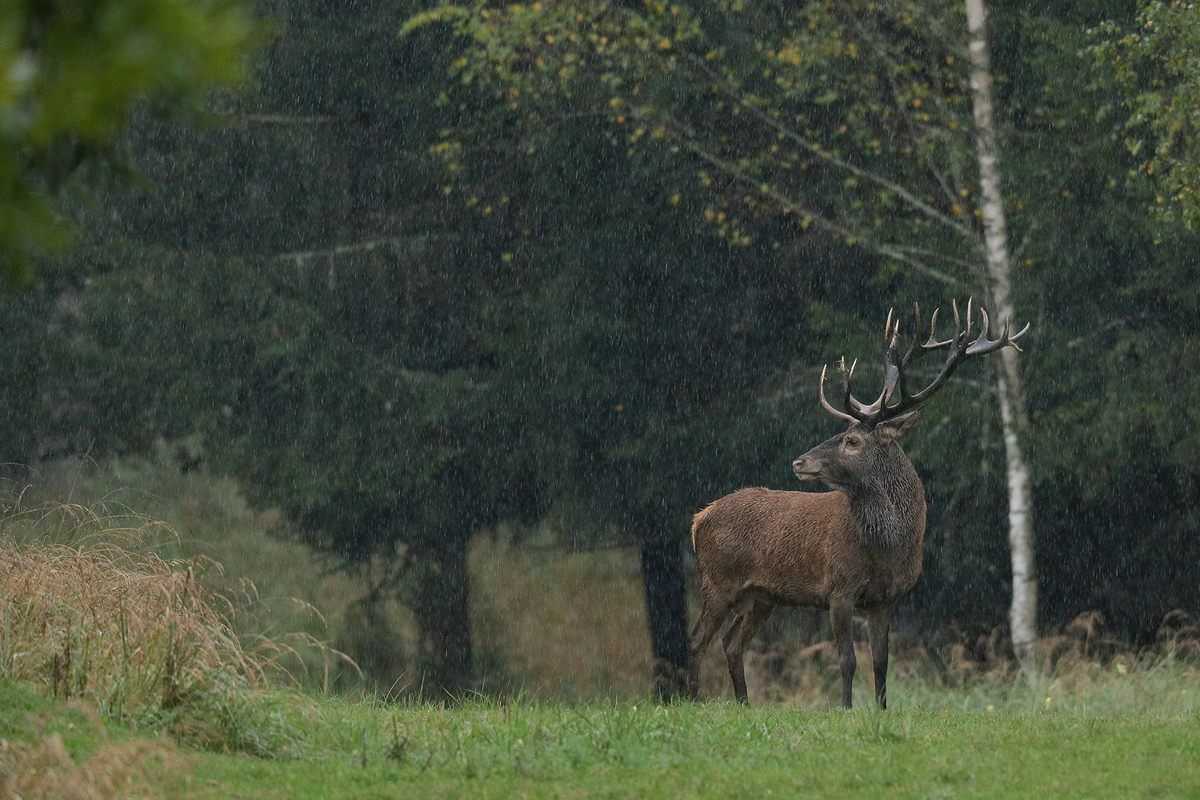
(45,770)
(118,628)
(1178,634)
(89,611)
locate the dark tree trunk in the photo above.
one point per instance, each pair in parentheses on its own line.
(443,615)
(666,610)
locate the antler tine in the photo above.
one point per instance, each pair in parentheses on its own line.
(825,403)
(853,405)
(861,411)
(1012,340)
(985,327)
(891,373)
(915,350)
(922,343)
(983,345)
(919,348)
(847,377)
(933,343)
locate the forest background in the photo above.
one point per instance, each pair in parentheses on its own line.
(416,274)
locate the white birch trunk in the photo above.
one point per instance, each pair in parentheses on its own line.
(1023,614)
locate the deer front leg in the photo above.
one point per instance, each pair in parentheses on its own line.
(880,621)
(841,618)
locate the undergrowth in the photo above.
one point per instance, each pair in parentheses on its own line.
(89,611)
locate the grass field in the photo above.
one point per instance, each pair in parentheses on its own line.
(523,749)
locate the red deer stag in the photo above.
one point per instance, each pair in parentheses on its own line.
(859,546)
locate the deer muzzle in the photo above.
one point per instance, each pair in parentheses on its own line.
(806,469)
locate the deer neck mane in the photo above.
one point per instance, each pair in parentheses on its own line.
(889,506)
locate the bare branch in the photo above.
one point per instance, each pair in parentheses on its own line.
(917,203)
(816,218)
(343,249)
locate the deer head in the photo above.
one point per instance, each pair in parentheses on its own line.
(851,460)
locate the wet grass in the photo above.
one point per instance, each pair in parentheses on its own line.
(525,749)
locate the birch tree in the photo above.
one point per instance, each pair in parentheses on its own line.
(1023,612)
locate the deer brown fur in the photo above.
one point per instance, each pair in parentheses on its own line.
(859,546)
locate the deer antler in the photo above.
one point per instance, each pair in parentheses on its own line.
(959,348)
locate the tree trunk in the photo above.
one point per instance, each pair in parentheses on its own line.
(443,616)
(1023,614)
(666,609)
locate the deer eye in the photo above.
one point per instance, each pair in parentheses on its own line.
(853,441)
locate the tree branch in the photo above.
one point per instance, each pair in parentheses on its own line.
(790,206)
(917,203)
(301,256)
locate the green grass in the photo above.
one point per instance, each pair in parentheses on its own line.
(487,749)
(24,715)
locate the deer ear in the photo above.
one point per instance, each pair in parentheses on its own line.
(898,426)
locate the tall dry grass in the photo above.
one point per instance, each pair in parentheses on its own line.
(201,515)
(121,629)
(89,611)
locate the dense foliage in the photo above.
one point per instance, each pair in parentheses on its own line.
(854,118)
(1154,62)
(580,264)
(69,71)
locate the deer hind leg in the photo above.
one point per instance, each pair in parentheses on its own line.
(880,621)
(712,616)
(740,634)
